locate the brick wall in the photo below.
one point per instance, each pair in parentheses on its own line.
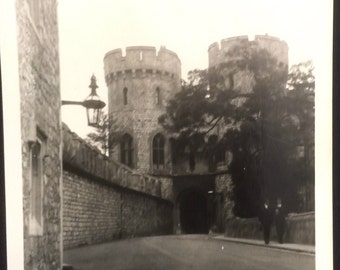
(40,111)
(105,200)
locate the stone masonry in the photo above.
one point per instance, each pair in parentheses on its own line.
(135,110)
(224,53)
(300,228)
(276,47)
(105,200)
(224,190)
(141,71)
(40,120)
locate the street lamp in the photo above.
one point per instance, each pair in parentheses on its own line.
(92,103)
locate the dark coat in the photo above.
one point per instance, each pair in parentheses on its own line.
(266,215)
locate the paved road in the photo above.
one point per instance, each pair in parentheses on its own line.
(198,252)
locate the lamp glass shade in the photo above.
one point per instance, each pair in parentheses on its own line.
(93,106)
(93,116)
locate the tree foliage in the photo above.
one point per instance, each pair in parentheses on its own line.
(264,113)
(101,136)
(268,118)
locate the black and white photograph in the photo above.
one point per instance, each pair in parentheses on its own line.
(167,134)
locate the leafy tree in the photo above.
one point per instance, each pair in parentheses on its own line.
(101,136)
(301,82)
(263,119)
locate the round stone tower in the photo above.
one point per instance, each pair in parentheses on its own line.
(243,80)
(139,87)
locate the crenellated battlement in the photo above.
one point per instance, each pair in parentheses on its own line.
(278,48)
(141,61)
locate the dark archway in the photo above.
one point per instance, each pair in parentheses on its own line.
(193,212)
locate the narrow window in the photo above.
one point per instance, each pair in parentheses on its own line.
(158,151)
(126,150)
(140,56)
(36,195)
(158,96)
(125,92)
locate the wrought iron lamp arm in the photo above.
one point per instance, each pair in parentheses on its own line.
(68,102)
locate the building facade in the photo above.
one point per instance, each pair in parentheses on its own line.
(139,86)
(39,84)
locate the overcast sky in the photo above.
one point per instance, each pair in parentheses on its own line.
(88,29)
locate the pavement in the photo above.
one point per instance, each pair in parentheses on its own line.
(310,249)
(191,251)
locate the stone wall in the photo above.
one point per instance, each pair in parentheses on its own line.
(95,212)
(151,80)
(225,204)
(85,158)
(225,55)
(141,58)
(38,58)
(218,52)
(105,200)
(300,228)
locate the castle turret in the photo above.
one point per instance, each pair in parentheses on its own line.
(139,86)
(218,53)
(243,81)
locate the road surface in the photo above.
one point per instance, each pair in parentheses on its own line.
(199,252)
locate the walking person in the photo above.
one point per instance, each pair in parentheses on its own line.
(266,219)
(280,220)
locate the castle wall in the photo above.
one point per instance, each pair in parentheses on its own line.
(97,213)
(300,228)
(224,53)
(105,200)
(217,53)
(141,71)
(139,58)
(225,204)
(40,123)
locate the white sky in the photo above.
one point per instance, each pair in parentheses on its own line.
(88,29)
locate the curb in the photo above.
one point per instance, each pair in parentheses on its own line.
(310,251)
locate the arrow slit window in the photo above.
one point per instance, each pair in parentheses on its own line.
(158,96)
(125,97)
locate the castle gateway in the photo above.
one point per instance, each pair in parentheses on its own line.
(140,84)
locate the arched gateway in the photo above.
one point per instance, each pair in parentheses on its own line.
(193,211)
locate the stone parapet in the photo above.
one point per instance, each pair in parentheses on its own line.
(218,52)
(78,154)
(140,61)
(300,228)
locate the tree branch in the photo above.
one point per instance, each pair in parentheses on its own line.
(218,120)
